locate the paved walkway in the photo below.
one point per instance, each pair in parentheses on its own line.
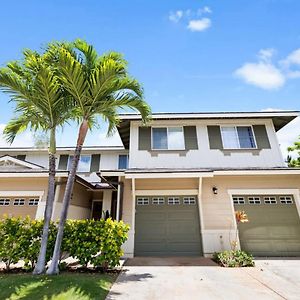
(200,278)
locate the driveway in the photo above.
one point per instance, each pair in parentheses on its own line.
(200,278)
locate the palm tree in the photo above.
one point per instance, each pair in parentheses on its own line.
(41,104)
(100,85)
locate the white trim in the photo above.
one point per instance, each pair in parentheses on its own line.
(257,172)
(213,115)
(118,199)
(201,223)
(20,162)
(21,193)
(190,192)
(262,191)
(133,211)
(30,174)
(170,175)
(112,173)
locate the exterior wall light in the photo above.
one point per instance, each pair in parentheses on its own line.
(215,190)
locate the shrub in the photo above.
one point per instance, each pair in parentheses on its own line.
(95,242)
(234,258)
(10,247)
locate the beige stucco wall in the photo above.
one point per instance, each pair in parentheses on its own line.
(166,184)
(14,187)
(80,205)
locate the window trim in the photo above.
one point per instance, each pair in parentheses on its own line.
(174,200)
(167,127)
(158,198)
(144,201)
(236,133)
(5,200)
(35,201)
(24,202)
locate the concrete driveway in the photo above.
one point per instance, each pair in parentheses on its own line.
(200,278)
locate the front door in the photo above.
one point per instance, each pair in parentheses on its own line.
(97,210)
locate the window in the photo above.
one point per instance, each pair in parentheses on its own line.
(270,200)
(123,162)
(189,200)
(173,200)
(254,200)
(167,138)
(19,202)
(83,165)
(286,200)
(238,137)
(158,200)
(4,202)
(238,200)
(33,202)
(142,201)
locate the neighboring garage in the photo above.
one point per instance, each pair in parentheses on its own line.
(18,206)
(167,226)
(274,225)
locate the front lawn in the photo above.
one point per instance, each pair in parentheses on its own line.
(65,286)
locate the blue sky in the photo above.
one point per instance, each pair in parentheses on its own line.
(189,55)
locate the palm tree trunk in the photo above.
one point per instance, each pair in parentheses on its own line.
(40,265)
(53,268)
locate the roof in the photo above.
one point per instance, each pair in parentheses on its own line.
(279,118)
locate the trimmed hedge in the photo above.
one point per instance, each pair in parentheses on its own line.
(89,241)
(234,258)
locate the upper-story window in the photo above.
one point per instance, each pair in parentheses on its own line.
(167,138)
(83,165)
(123,161)
(238,137)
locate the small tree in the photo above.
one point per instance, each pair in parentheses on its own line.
(241,217)
(294,162)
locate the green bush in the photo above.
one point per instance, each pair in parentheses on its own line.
(95,242)
(11,231)
(234,258)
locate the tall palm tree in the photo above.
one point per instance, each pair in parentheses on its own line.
(100,85)
(41,104)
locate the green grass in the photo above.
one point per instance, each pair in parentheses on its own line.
(66,286)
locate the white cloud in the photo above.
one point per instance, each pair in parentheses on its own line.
(293,58)
(199,25)
(204,10)
(262,74)
(175,16)
(268,75)
(24,139)
(288,135)
(266,54)
(192,18)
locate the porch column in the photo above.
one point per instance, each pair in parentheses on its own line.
(118,199)
(107,195)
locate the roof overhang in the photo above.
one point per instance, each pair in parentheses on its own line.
(279,118)
(198,173)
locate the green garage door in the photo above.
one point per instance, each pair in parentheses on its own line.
(274,225)
(167,226)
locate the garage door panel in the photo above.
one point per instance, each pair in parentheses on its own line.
(272,230)
(167,229)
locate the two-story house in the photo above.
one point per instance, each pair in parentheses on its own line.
(186,175)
